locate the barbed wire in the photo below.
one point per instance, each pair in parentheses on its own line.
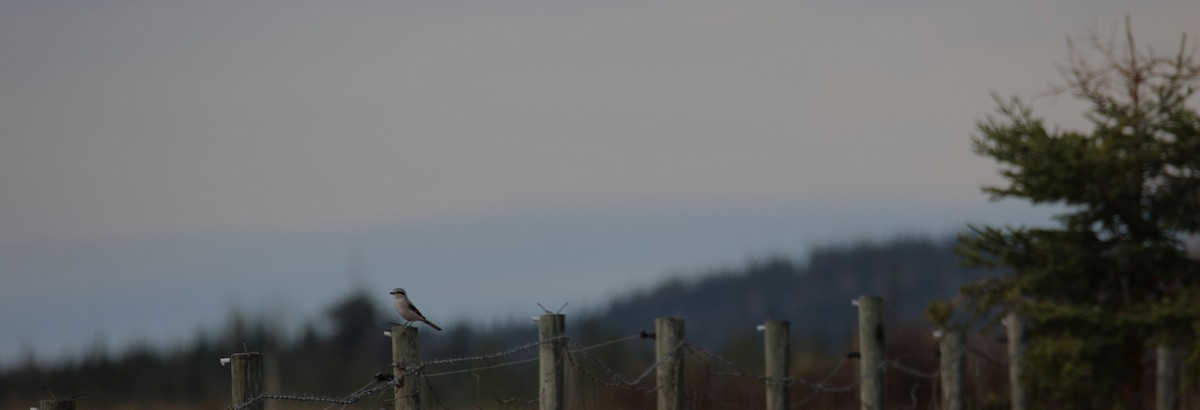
(378,379)
(642,335)
(582,349)
(740,371)
(512,363)
(345,401)
(912,394)
(822,387)
(611,377)
(817,388)
(622,382)
(787,381)
(432,391)
(482,357)
(584,352)
(511,400)
(895,363)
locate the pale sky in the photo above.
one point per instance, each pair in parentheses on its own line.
(130,123)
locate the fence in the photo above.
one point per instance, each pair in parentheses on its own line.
(560,357)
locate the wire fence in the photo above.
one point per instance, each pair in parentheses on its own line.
(371,389)
(587,368)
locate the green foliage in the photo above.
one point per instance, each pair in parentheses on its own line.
(939,313)
(1114,277)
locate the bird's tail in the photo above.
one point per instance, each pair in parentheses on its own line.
(439,328)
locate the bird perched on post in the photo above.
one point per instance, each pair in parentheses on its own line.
(407,311)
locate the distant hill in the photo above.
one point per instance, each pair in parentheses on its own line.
(814,295)
(721,306)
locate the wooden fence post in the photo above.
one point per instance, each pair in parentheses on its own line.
(404,354)
(551,352)
(246,370)
(1014,323)
(1166,389)
(952,365)
(56,405)
(870,348)
(668,336)
(775,341)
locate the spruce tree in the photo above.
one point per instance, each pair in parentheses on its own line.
(1112,278)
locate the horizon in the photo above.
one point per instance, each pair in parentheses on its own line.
(336,263)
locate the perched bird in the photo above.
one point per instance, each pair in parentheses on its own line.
(407,311)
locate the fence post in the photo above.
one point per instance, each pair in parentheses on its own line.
(246,370)
(668,336)
(870,349)
(775,340)
(551,327)
(952,365)
(56,405)
(1166,389)
(404,354)
(1014,323)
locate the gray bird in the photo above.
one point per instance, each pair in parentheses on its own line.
(407,311)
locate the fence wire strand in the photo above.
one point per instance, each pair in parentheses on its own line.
(895,363)
(615,379)
(576,353)
(483,357)
(345,401)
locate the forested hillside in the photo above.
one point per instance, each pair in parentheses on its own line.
(814,295)
(721,307)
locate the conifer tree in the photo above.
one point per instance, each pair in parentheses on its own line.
(1112,278)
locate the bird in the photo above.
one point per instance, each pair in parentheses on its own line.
(407,311)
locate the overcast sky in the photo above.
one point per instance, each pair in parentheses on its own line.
(130,123)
